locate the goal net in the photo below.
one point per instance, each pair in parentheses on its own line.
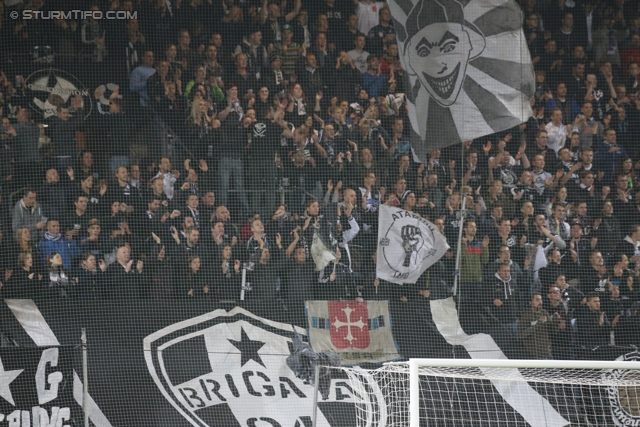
(498,393)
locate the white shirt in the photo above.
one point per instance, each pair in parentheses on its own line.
(557,136)
(169,180)
(368,15)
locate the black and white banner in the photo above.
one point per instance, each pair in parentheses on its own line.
(50,88)
(407,245)
(159,364)
(186,363)
(36,387)
(236,373)
(469,68)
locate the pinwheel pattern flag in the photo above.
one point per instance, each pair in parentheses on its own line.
(468,69)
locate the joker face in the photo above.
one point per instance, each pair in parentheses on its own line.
(438,54)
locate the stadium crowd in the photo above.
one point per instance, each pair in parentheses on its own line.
(278,111)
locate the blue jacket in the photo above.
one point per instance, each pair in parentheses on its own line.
(68,250)
(373,84)
(608,162)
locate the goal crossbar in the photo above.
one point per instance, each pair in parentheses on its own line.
(516,363)
(415,364)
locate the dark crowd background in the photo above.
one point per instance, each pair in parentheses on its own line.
(159,157)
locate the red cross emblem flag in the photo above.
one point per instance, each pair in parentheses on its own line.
(347,327)
(358,332)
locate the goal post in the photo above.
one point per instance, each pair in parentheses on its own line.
(485,365)
(498,393)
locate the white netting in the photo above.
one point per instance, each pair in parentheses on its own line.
(497,396)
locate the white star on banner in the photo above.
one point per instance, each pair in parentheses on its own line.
(6,377)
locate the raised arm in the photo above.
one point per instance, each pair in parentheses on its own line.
(294,243)
(263,11)
(296,9)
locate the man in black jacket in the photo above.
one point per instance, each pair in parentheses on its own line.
(123,276)
(298,279)
(181,250)
(28,159)
(117,131)
(626,332)
(553,269)
(62,131)
(266,132)
(230,229)
(501,298)
(594,326)
(263,297)
(53,195)
(560,333)
(310,76)
(595,277)
(122,190)
(231,164)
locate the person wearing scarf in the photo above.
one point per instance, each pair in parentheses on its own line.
(54,242)
(122,190)
(60,283)
(273,78)
(297,108)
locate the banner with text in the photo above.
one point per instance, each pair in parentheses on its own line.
(407,245)
(36,387)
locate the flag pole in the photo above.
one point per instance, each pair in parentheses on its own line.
(85,377)
(456,277)
(463,215)
(316,386)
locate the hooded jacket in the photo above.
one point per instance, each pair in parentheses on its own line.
(24,216)
(505,291)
